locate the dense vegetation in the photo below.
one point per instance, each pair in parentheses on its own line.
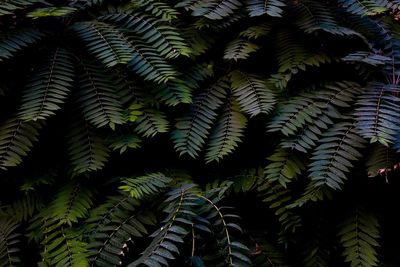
(199,132)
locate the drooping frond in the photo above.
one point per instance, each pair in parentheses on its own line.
(163,37)
(270,7)
(9,243)
(359,236)
(123,142)
(51,12)
(16,140)
(285,165)
(105,42)
(227,133)
(292,57)
(159,9)
(211,9)
(252,93)
(146,185)
(164,246)
(298,112)
(13,42)
(71,203)
(364,7)
(333,158)
(9,7)
(97,96)
(240,49)
(48,87)
(225,224)
(152,122)
(278,199)
(112,226)
(193,128)
(378,113)
(331,100)
(87,151)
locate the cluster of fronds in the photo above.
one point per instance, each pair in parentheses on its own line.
(308,88)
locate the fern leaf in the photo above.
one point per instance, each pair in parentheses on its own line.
(284,166)
(252,93)
(105,42)
(164,38)
(364,7)
(226,134)
(123,142)
(86,150)
(51,12)
(162,248)
(378,114)
(270,7)
(294,115)
(332,159)
(16,140)
(48,88)
(215,9)
(112,225)
(192,129)
(359,236)
(13,42)
(9,7)
(97,96)
(144,186)
(9,243)
(152,122)
(159,9)
(71,203)
(239,49)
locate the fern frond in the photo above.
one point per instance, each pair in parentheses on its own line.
(239,49)
(164,245)
(97,96)
(284,167)
(123,142)
(158,9)
(378,113)
(9,243)
(192,129)
(252,93)
(212,9)
(270,7)
(257,31)
(146,185)
(23,208)
(333,158)
(299,111)
(227,133)
(279,199)
(105,42)
(292,57)
(270,255)
(9,7)
(359,236)
(164,38)
(86,150)
(364,7)
(13,42)
(71,203)
(112,225)
(48,87)
(60,11)
(16,140)
(152,122)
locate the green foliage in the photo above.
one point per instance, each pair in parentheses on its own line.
(359,236)
(122,89)
(9,240)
